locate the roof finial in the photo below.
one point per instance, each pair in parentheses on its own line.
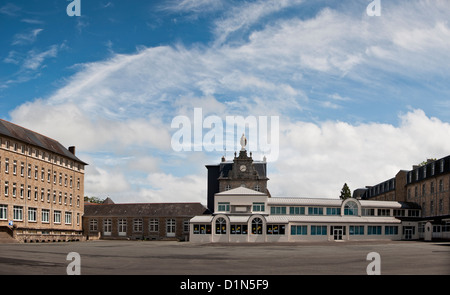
(243,142)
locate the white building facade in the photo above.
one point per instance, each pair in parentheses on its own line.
(247,215)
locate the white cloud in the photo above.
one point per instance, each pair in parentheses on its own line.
(316,159)
(26,38)
(35,59)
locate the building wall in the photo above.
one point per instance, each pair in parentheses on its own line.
(132,233)
(432,194)
(27,180)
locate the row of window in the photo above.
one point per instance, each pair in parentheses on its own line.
(32,215)
(68,179)
(137,225)
(432,208)
(15,191)
(38,154)
(280,229)
(381,188)
(421,172)
(350,209)
(432,189)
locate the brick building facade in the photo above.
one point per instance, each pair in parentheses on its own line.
(427,185)
(142,221)
(41,187)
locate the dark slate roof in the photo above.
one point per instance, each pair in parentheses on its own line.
(226,167)
(144,210)
(33,138)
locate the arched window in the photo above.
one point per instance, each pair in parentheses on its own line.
(221,226)
(257,226)
(351,208)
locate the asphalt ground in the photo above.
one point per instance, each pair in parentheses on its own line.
(183,258)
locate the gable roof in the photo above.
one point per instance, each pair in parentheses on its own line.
(243,191)
(144,210)
(33,138)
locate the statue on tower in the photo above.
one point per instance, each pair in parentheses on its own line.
(243,142)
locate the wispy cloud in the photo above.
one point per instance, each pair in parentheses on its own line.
(35,59)
(10,9)
(244,15)
(26,38)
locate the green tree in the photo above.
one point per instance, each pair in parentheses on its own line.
(345,192)
(93,200)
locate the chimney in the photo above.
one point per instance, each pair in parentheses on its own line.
(72,150)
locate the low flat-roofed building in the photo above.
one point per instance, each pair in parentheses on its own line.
(245,215)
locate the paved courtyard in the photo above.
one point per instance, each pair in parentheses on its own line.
(181,258)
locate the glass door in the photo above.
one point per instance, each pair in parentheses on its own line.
(170,228)
(337,233)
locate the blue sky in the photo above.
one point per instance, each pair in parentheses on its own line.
(353,92)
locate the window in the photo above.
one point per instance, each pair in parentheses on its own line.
(93,225)
(368,212)
(318,230)
(32,214)
(373,230)
(6,165)
(297,210)
(221,226)
(18,213)
(333,211)
(258,207)
(68,217)
(223,207)
(413,213)
(153,225)
(356,230)
(257,188)
(3,212)
(202,229)
(441,165)
(399,212)
(257,226)
(297,230)
(122,227)
(186,225)
(315,211)
(228,187)
(276,229)
(107,226)
(278,210)
(351,208)
(238,229)
(6,188)
(391,230)
(57,217)
(45,215)
(137,225)
(384,212)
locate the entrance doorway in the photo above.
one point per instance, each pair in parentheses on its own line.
(408,234)
(170,228)
(337,233)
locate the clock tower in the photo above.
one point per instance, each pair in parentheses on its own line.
(243,171)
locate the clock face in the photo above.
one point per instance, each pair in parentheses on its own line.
(243,168)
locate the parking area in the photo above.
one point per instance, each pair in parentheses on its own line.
(183,258)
